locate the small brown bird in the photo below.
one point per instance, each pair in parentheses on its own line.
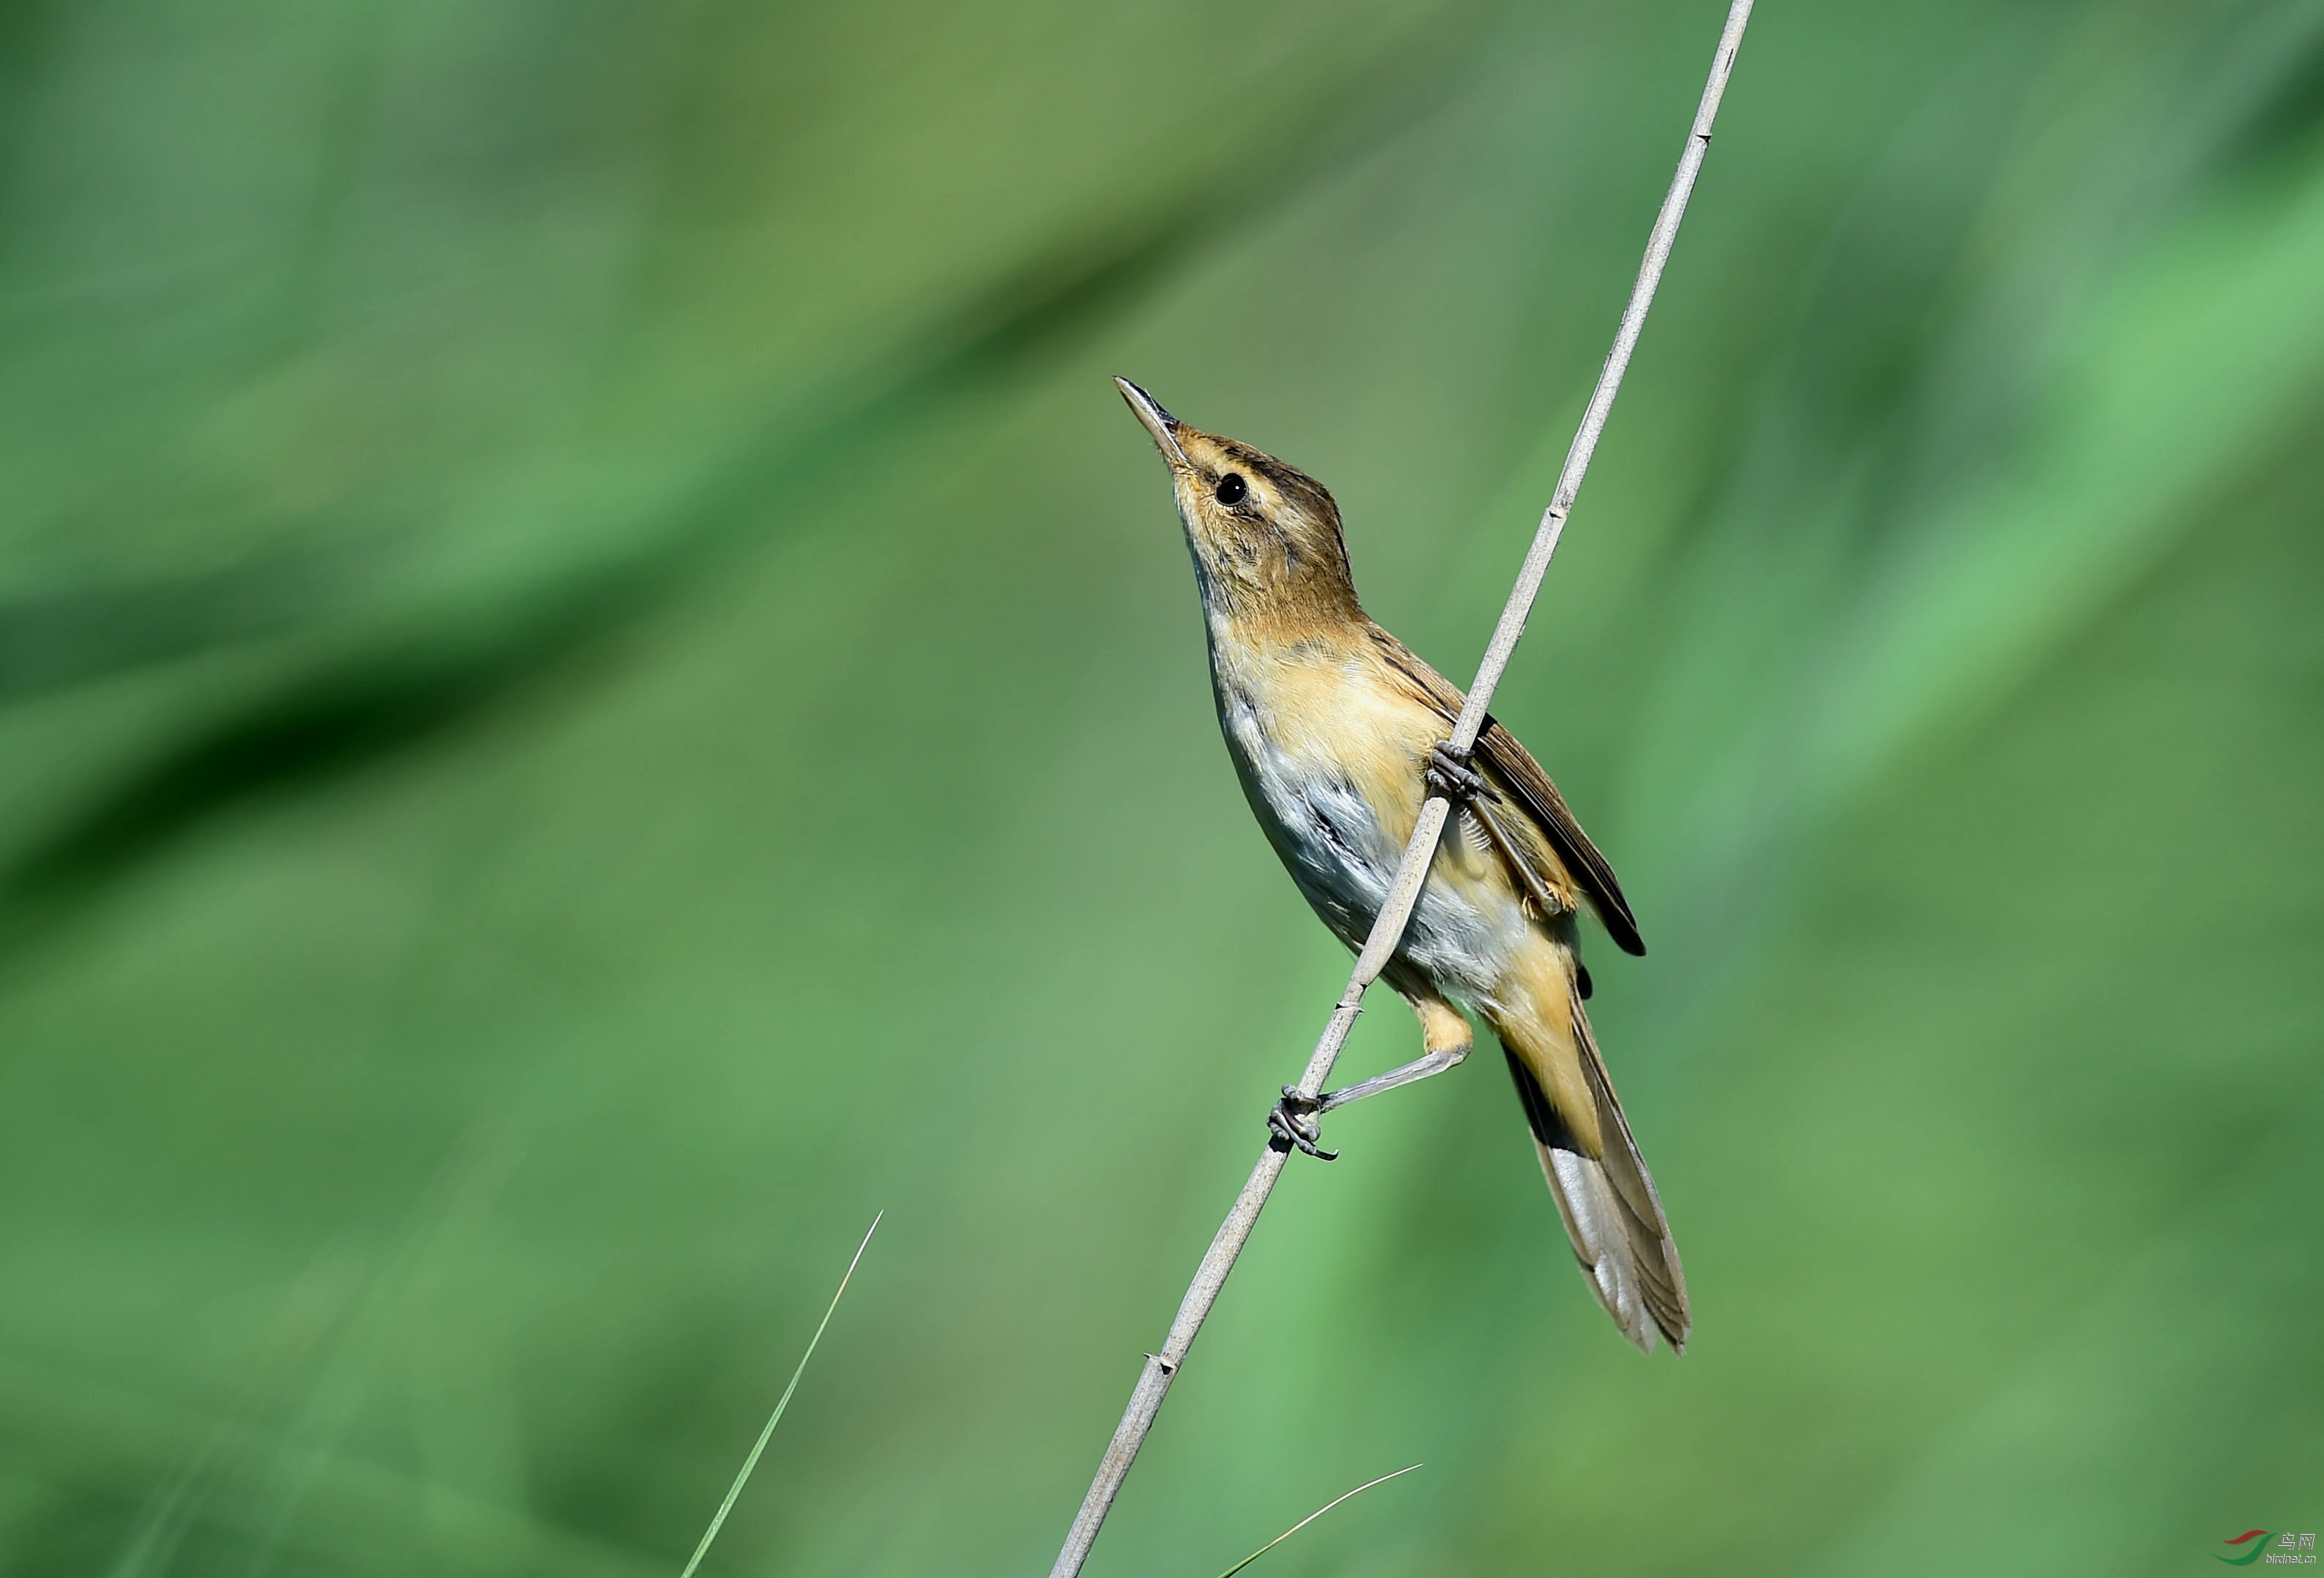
(1337,730)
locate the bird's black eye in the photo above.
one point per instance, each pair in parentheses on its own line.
(1232,488)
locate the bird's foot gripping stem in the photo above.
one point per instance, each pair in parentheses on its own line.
(1451,776)
(1293,1123)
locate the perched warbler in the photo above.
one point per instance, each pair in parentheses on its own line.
(1337,730)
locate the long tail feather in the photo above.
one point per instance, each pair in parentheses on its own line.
(1611,1212)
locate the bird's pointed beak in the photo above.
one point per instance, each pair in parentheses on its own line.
(1157,421)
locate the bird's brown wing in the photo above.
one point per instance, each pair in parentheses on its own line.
(1514,770)
(1523,777)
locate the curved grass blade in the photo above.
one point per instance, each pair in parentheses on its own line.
(751,1461)
(1311,1518)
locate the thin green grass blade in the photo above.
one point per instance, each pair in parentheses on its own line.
(1311,1518)
(751,1461)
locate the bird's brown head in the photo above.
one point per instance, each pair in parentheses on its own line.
(1265,536)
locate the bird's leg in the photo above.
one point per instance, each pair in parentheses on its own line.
(1419,1068)
(1450,775)
(1446,1037)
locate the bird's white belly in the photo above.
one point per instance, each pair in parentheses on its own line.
(1463,933)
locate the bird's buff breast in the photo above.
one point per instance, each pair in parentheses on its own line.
(1330,757)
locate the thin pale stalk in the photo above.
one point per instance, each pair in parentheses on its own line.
(718,1518)
(1311,1518)
(1404,893)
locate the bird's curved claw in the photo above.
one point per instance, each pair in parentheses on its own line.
(1452,777)
(1293,1123)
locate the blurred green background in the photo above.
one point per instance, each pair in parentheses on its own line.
(595,684)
